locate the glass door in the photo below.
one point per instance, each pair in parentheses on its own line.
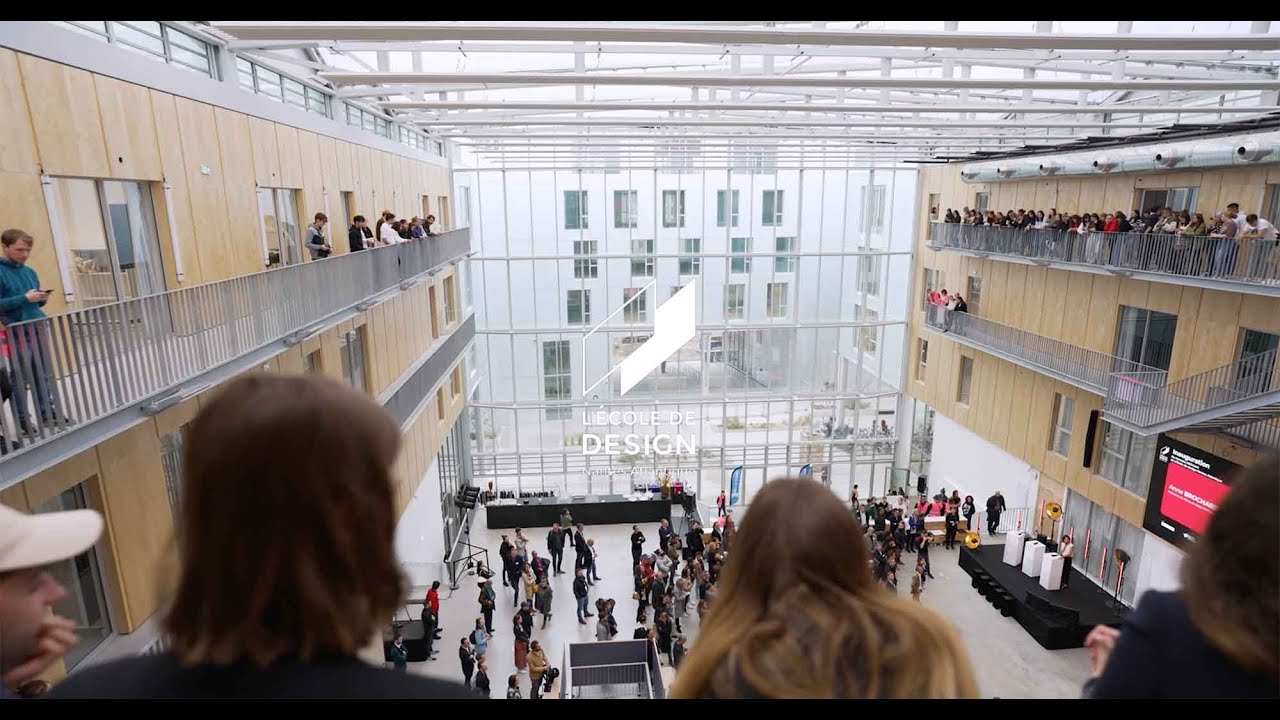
(134,243)
(1253,372)
(280,226)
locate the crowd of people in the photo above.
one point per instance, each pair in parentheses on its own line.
(388,230)
(267,601)
(1196,246)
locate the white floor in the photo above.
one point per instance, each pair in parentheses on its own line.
(1008,662)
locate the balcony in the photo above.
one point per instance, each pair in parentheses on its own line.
(1251,266)
(111,365)
(1086,369)
(1237,399)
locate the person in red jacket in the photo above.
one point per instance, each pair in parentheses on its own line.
(433,602)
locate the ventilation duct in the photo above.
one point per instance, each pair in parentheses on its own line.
(1221,152)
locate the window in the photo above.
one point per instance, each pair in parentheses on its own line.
(579,305)
(171,460)
(691,263)
(778,293)
(575,209)
(351,348)
(923,364)
(455,381)
(642,258)
(633,305)
(1176,199)
(1064,409)
(348,208)
(281,88)
(1126,458)
(557,382)
(973,293)
(450,301)
(1107,533)
(279,212)
(932,281)
(784,263)
(867,336)
(440,404)
(1146,336)
(771,208)
(726,208)
(311,362)
(874,201)
(85,602)
(625,214)
(715,348)
(586,266)
(965,381)
(1257,361)
(672,208)
(735,299)
(869,274)
(113,246)
(740,246)
(147,37)
(368,120)
(982,201)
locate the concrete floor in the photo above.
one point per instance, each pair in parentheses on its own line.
(1008,662)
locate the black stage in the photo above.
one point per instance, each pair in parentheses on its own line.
(1057,619)
(604,510)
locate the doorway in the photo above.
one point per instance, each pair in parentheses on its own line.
(85,602)
(280,239)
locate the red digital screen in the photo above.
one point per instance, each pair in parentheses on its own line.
(1190,498)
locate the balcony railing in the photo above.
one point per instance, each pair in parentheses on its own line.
(90,363)
(1240,393)
(1084,368)
(1254,262)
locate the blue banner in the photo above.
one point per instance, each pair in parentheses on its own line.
(806,471)
(735,485)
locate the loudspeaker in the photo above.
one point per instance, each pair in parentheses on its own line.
(1089,436)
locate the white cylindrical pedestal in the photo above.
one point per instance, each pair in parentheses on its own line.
(1051,571)
(1032,557)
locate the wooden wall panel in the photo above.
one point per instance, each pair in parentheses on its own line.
(1216,332)
(208,194)
(47,484)
(1103,314)
(266,153)
(17,139)
(67,125)
(1134,293)
(139,518)
(22,206)
(1046,301)
(1016,288)
(1260,313)
(173,167)
(128,125)
(1075,311)
(242,243)
(347,175)
(290,159)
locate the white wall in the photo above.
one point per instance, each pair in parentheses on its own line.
(420,533)
(965,462)
(1161,567)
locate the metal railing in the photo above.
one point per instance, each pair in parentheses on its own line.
(1081,366)
(88,363)
(1252,261)
(1134,400)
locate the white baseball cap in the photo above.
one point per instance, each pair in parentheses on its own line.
(28,541)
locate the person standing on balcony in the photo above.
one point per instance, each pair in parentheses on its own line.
(387,234)
(1259,236)
(316,242)
(1224,243)
(359,236)
(431,220)
(415,228)
(21,298)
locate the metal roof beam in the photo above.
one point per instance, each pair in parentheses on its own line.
(852,108)
(770,122)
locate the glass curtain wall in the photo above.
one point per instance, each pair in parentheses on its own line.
(799,314)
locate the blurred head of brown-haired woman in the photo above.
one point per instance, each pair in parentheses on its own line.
(798,614)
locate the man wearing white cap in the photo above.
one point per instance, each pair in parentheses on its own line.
(31,637)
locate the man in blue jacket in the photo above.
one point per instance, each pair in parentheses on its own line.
(21,298)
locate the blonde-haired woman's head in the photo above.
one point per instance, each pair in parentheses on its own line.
(798,614)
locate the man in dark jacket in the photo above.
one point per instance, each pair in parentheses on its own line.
(693,542)
(358,233)
(504,552)
(580,595)
(637,545)
(995,506)
(540,566)
(583,559)
(555,546)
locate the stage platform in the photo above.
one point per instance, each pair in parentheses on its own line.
(589,510)
(1057,619)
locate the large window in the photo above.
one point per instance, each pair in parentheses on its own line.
(281,88)
(171,461)
(634,308)
(1146,336)
(923,365)
(1257,361)
(351,349)
(672,208)
(740,246)
(973,293)
(869,274)
(1176,199)
(965,382)
(735,300)
(642,258)
(874,203)
(587,266)
(982,201)
(152,38)
(112,241)
(778,299)
(1125,458)
(932,281)
(85,602)
(784,263)
(556,377)
(726,208)
(625,212)
(278,210)
(579,305)
(1064,409)
(771,208)
(691,260)
(575,209)
(368,120)
(867,336)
